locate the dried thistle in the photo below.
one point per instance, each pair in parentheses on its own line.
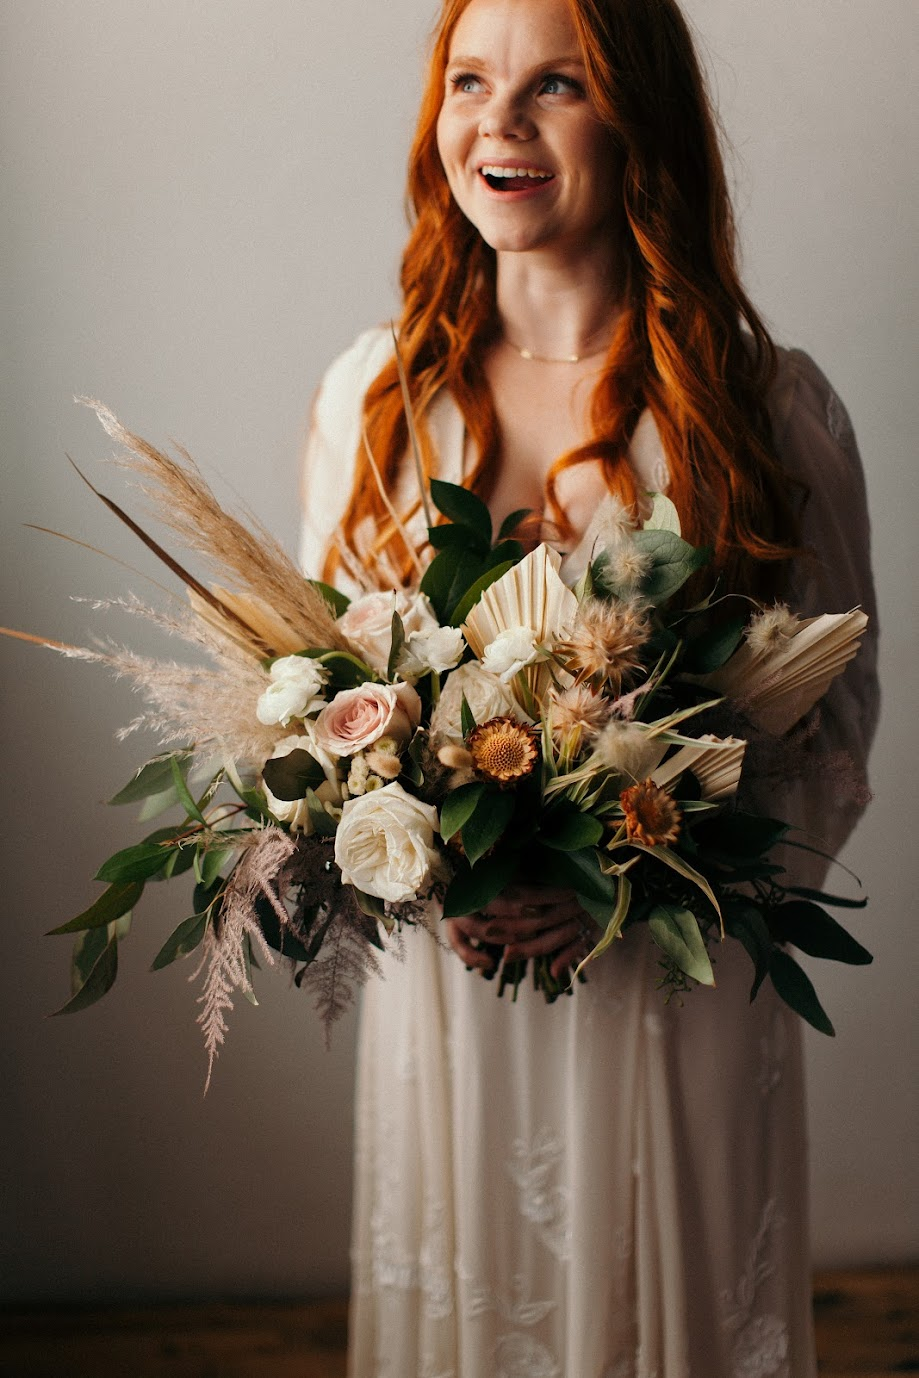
(604,645)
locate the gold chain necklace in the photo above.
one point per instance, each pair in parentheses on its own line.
(530,355)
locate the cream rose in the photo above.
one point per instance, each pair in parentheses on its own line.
(295,690)
(487,698)
(356,718)
(385,844)
(437,649)
(368,623)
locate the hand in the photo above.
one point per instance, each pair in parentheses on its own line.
(527,921)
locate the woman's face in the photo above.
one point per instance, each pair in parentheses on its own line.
(526,156)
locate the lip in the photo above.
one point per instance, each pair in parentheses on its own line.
(535,189)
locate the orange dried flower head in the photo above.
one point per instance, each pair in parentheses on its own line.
(651,814)
(604,645)
(503,749)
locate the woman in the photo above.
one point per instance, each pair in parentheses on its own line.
(608,1187)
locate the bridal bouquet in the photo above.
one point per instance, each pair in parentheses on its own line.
(341,768)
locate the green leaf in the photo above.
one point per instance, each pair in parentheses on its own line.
(156,804)
(456,538)
(398,641)
(185,796)
(153,778)
(611,923)
(838,901)
(569,830)
(676,932)
(345,670)
(580,871)
(117,900)
(673,560)
(181,859)
(664,516)
(372,906)
(795,987)
(437,581)
(468,568)
(213,862)
(322,822)
(467,721)
(183,940)
(93,970)
(745,835)
(472,595)
(462,507)
(811,929)
(682,868)
(710,650)
(471,890)
(134,863)
(745,923)
(511,522)
(289,777)
(458,807)
(491,815)
(336,601)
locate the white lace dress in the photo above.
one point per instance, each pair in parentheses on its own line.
(608,1187)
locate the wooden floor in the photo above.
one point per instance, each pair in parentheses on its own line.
(867,1325)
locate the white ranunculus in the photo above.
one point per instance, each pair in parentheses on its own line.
(510,652)
(486,695)
(368,622)
(436,648)
(385,844)
(295,690)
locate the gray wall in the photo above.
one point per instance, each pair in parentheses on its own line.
(200,205)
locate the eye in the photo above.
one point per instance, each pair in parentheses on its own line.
(554,84)
(466,83)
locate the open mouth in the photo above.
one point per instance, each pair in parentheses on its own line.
(513,178)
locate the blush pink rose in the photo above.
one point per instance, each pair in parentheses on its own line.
(356,718)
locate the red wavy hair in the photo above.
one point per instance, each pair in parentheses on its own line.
(689,345)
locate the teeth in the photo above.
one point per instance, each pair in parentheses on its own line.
(489,170)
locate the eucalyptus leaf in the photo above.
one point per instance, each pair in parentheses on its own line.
(745,923)
(181,859)
(156,804)
(186,798)
(795,987)
(140,862)
(676,932)
(471,890)
(812,930)
(213,862)
(153,778)
(183,940)
(458,806)
(396,645)
(118,899)
(289,777)
(461,506)
(94,968)
(493,811)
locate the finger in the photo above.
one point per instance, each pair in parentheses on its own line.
(466,949)
(545,942)
(569,958)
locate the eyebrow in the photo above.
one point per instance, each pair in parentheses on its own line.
(572,61)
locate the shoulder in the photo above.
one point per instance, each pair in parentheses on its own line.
(811,428)
(341,392)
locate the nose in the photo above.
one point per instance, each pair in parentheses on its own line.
(504,117)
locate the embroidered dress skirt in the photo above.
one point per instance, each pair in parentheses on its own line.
(609,1187)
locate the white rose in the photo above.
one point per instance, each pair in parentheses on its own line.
(510,651)
(296,811)
(437,649)
(487,698)
(295,690)
(368,623)
(385,844)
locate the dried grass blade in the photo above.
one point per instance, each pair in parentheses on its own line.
(393,514)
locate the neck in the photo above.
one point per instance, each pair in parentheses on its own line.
(557,309)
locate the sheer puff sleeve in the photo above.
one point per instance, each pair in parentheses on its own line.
(816,444)
(327,472)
